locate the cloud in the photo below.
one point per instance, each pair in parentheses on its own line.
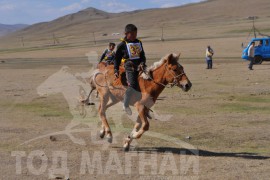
(167,5)
(115,6)
(72,7)
(172,3)
(6,7)
(85,1)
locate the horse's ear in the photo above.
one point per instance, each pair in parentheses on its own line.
(179,55)
(170,58)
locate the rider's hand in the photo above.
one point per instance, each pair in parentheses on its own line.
(142,66)
(116,73)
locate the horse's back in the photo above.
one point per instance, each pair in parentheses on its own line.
(108,70)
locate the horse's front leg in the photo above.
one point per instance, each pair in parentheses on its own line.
(144,122)
(137,125)
(129,139)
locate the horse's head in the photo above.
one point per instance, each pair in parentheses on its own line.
(55,83)
(175,74)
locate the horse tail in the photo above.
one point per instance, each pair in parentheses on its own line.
(95,81)
(92,83)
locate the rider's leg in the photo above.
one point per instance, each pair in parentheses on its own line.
(132,79)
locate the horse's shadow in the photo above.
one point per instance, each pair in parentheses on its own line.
(199,152)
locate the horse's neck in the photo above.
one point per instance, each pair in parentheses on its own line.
(72,95)
(158,75)
(159,82)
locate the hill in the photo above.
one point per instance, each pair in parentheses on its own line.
(5,29)
(223,17)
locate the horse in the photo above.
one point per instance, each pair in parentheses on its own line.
(167,71)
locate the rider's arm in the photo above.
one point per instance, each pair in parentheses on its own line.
(113,56)
(119,55)
(143,58)
(103,56)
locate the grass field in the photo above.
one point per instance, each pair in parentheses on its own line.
(226,114)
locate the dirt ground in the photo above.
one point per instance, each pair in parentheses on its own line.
(217,130)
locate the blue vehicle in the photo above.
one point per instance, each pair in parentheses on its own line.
(262,50)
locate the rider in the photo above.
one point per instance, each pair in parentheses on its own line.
(108,54)
(130,52)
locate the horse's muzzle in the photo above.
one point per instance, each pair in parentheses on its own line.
(186,87)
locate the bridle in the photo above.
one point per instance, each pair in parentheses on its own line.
(175,78)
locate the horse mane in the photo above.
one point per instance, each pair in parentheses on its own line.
(157,64)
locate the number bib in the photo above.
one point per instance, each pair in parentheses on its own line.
(134,50)
(109,54)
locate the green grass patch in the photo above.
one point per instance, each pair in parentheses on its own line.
(244,108)
(247,104)
(256,150)
(7,146)
(44,110)
(259,122)
(52,106)
(254,99)
(176,110)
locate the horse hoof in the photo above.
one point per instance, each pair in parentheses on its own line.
(91,104)
(109,139)
(101,134)
(148,116)
(126,148)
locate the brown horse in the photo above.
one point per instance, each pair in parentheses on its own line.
(167,71)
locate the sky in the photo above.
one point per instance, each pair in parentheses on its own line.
(34,11)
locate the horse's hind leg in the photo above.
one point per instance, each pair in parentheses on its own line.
(93,87)
(113,101)
(102,114)
(87,100)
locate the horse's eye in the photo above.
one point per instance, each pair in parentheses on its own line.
(175,70)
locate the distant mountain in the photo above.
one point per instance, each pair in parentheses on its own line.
(79,27)
(81,17)
(94,20)
(6,29)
